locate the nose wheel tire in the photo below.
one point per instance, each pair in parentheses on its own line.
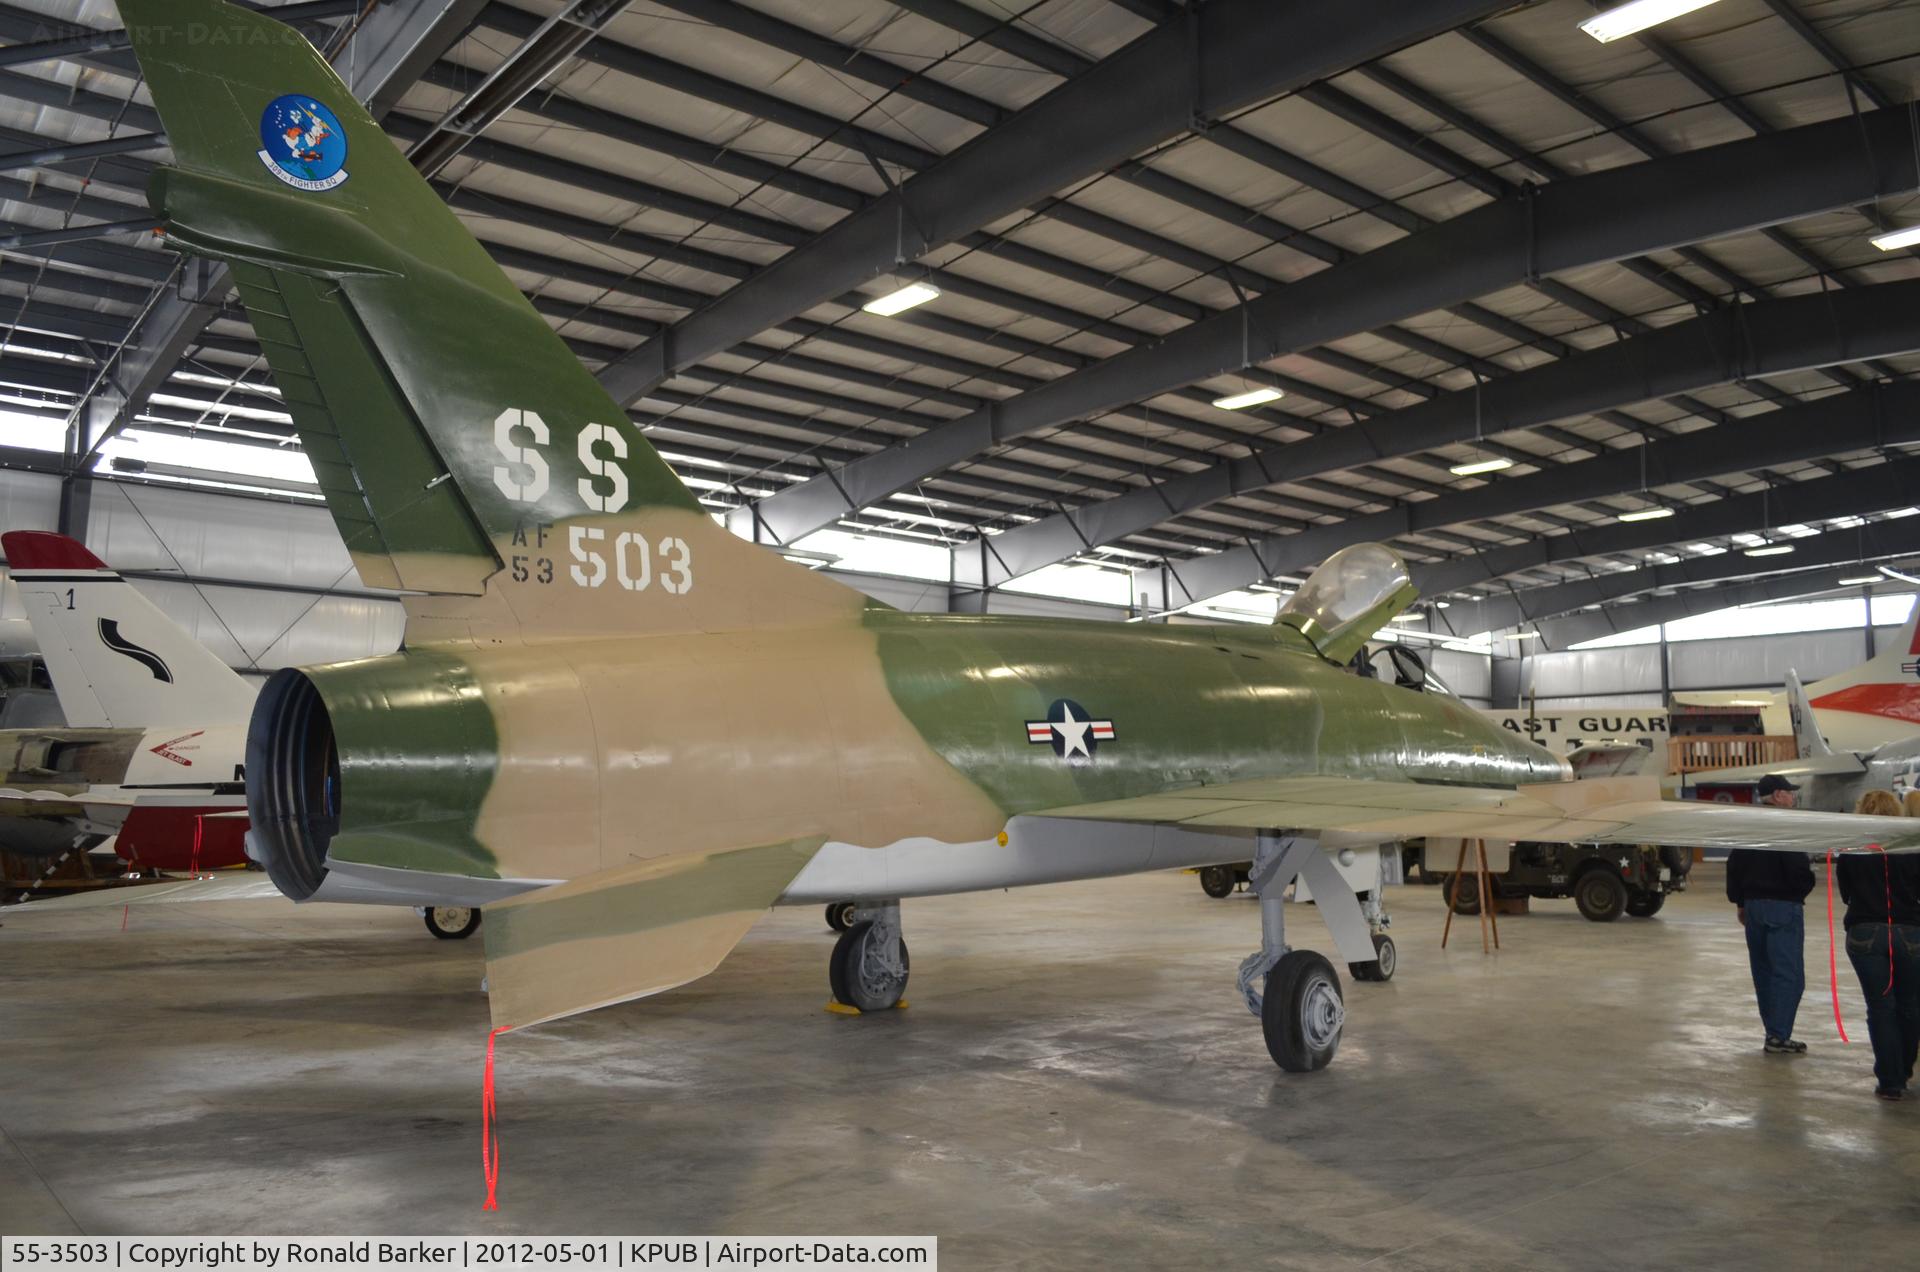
(452,922)
(863,973)
(1385,960)
(1302,1012)
(840,914)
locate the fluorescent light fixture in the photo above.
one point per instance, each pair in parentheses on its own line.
(1524,636)
(1901,512)
(1638,15)
(1860,578)
(1443,605)
(906,298)
(1473,468)
(1252,397)
(1771,549)
(1645,514)
(1894,240)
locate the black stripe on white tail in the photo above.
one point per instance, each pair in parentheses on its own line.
(110,637)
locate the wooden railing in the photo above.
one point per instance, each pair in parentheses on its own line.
(1720,751)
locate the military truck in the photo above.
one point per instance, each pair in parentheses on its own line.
(1604,880)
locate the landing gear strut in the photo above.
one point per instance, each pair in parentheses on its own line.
(1296,993)
(868,970)
(1385,956)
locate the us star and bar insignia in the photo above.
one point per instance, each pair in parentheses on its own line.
(1070,729)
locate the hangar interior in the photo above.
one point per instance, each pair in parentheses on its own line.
(1124,310)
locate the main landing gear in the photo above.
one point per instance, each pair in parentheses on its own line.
(868,970)
(451,922)
(1296,993)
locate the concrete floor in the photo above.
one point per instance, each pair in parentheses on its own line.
(1076,1084)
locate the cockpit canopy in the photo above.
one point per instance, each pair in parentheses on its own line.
(1349,598)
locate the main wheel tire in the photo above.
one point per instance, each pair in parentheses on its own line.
(1302,1012)
(1644,905)
(1467,900)
(1601,895)
(1217,881)
(1386,957)
(840,914)
(854,979)
(452,922)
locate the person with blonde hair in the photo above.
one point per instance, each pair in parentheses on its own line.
(1880,804)
(1913,803)
(1882,892)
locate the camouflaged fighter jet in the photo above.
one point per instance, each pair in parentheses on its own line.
(626,732)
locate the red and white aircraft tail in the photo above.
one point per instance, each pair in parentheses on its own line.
(114,658)
(1857,709)
(1876,702)
(117,662)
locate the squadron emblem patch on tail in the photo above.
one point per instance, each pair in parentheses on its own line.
(302,143)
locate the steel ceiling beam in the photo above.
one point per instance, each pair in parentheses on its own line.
(627,60)
(1835,547)
(1860,491)
(1890,540)
(1229,54)
(133,174)
(384,55)
(1586,220)
(1834,57)
(554,44)
(1740,342)
(77,40)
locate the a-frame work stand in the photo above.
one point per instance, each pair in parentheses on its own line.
(1484,883)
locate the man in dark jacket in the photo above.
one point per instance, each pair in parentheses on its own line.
(1883,942)
(1770,888)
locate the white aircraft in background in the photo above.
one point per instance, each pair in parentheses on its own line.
(1858,709)
(156,725)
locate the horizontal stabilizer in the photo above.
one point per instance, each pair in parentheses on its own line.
(629,931)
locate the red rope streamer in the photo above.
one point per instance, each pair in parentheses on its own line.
(199,826)
(489,1138)
(1833,962)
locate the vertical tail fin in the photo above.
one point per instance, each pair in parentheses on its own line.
(1806,726)
(463,449)
(113,657)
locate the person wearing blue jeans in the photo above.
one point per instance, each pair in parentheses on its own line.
(1883,943)
(1770,890)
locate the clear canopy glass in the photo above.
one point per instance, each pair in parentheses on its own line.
(1348,598)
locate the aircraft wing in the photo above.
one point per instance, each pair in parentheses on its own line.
(1842,764)
(1605,810)
(629,931)
(227,885)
